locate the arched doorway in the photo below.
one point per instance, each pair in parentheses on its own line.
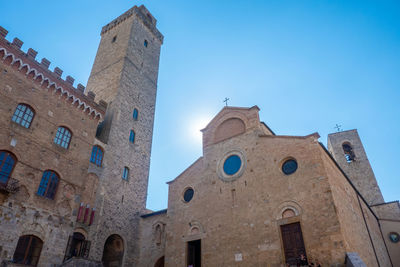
(77,246)
(28,250)
(160,262)
(113,251)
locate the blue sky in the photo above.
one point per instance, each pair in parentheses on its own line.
(307,64)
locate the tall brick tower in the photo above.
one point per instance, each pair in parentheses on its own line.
(349,153)
(125,75)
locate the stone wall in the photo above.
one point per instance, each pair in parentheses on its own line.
(239,221)
(360,235)
(152,238)
(389,219)
(24,212)
(125,73)
(359,169)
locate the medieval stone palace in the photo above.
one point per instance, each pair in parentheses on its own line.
(74,167)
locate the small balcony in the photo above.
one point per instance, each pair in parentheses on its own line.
(11,186)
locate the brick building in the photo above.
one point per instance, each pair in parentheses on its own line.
(74,173)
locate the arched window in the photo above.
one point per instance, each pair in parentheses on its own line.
(48,184)
(63,137)
(125,173)
(23,115)
(132,136)
(7,163)
(288,213)
(348,152)
(135,114)
(97,155)
(28,250)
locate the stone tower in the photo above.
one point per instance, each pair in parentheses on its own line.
(349,153)
(125,75)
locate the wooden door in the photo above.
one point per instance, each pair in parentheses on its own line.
(293,243)
(194,253)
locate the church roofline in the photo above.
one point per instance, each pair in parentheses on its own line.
(269,129)
(230,108)
(384,203)
(194,163)
(315,135)
(154,213)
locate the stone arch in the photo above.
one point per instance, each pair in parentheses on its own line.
(195,228)
(81,231)
(34,229)
(348,151)
(159,229)
(113,252)
(160,262)
(287,206)
(229,128)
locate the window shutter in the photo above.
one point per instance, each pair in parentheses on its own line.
(85,248)
(22,246)
(68,252)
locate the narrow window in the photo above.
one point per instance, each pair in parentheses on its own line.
(348,152)
(114,39)
(132,137)
(7,164)
(135,114)
(23,115)
(48,184)
(125,173)
(97,155)
(63,137)
(28,250)
(146,43)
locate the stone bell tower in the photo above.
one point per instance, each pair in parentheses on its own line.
(125,75)
(347,149)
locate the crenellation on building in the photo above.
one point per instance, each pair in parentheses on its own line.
(25,62)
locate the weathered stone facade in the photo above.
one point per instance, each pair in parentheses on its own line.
(55,103)
(279,196)
(125,74)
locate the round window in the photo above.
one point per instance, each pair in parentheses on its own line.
(289,167)
(232,164)
(188,195)
(394,237)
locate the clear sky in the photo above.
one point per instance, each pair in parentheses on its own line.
(307,64)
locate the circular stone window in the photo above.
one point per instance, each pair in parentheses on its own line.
(231,166)
(289,166)
(394,237)
(188,194)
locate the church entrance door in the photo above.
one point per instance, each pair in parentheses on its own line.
(194,253)
(293,243)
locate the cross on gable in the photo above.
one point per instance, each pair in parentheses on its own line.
(226,101)
(337,127)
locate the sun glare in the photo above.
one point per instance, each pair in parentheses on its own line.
(195,127)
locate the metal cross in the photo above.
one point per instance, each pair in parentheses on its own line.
(337,127)
(226,101)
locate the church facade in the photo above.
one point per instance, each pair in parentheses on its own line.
(74,172)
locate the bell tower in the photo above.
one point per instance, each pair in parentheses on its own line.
(124,74)
(348,151)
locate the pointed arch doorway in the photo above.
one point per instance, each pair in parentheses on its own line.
(113,252)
